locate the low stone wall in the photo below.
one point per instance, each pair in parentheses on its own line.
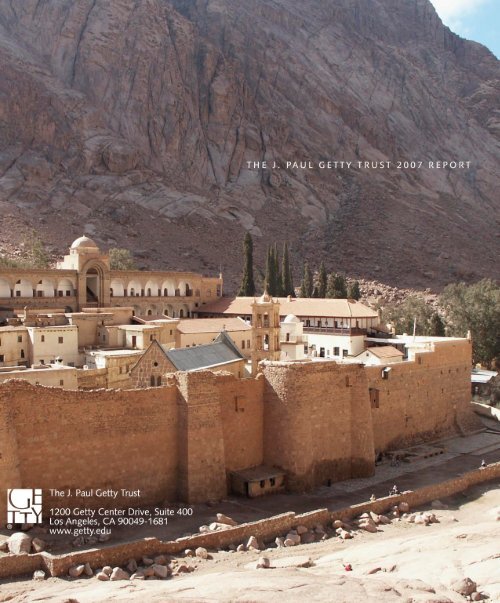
(265,529)
(486,410)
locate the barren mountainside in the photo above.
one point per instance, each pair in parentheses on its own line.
(134,121)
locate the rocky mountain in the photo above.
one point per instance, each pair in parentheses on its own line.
(134,121)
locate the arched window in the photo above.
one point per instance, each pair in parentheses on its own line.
(152,381)
(149,291)
(181,313)
(165,292)
(158,381)
(111,292)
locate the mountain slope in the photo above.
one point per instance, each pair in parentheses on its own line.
(135,121)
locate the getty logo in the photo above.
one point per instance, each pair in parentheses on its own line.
(24,505)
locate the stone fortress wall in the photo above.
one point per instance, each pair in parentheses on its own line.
(314,420)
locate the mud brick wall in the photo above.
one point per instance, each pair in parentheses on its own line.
(424,399)
(311,412)
(242,411)
(88,440)
(202,474)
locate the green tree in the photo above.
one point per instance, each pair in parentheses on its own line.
(247,288)
(277,272)
(475,308)
(306,287)
(286,274)
(336,286)
(403,316)
(354,291)
(121,259)
(322,281)
(437,326)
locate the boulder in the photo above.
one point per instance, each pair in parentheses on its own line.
(87,570)
(308,538)
(38,545)
(148,572)
(464,587)
(338,524)
(280,542)
(19,543)
(344,534)
(404,507)
(301,530)
(182,568)
(368,526)
(253,543)
(147,561)
(39,575)
(241,548)
(107,569)
(161,560)
(119,574)
(221,518)
(201,552)
(189,553)
(102,576)
(375,517)
(384,519)
(75,571)
(137,576)
(132,566)
(288,542)
(263,562)
(294,537)
(160,571)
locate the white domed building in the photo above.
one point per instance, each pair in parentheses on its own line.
(292,340)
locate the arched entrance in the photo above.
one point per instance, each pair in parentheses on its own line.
(94,286)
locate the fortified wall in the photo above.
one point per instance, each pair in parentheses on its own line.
(317,421)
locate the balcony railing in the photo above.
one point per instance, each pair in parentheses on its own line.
(348,331)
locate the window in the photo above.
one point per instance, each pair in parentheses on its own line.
(336,351)
(61,381)
(60,293)
(262,483)
(272,481)
(243,345)
(385,372)
(18,293)
(374,398)
(347,382)
(68,293)
(152,381)
(22,353)
(42,338)
(345,353)
(158,381)
(248,343)
(60,340)
(1,357)
(19,339)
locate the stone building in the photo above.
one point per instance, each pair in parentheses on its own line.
(312,422)
(265,330)
(83,279)
(222,355)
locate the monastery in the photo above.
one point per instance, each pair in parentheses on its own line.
(242,395)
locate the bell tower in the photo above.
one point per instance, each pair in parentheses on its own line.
(265,330)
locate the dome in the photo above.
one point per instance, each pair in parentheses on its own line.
(84,243)
(291,318)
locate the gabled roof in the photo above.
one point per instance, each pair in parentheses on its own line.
(221,351)
(301,306)
(385,351)
(212,325)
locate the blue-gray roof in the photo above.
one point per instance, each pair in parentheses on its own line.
(221,351)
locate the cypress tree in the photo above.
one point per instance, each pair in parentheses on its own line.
(270,279)
(322,281)
(340,287)
(277,272)
(286,274)
(330,287)
(306,287)
(354,291)
(247,288)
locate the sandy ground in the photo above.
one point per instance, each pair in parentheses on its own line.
(412,564)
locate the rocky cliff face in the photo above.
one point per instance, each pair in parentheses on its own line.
(134,122)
